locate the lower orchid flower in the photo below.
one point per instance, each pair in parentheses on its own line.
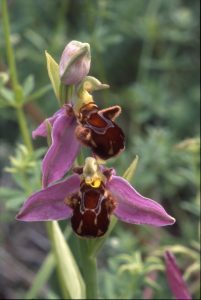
(89,197)
(90,126)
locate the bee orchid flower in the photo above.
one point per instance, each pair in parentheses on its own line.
(90,126)
(89,198)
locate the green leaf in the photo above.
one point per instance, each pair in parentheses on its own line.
(53,72)
(8,193)
(193,268)
(38,94)
(45,272)
(3,78)
(180,249)
(42,276)
(3,103)
(7,96)
(15,203)
(35,39)
(13,198)
(152,283)
(70,278)
(130,172)
(28,85)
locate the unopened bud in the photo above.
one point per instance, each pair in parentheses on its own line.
(75,62)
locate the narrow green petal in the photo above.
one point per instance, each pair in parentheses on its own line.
(53,72)
(130,172)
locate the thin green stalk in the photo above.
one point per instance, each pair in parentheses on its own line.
(89,270)
(148,45)
(90,277)
(14,81)
(23,128)
(9,50)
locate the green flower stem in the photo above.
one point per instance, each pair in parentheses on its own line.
(23,128)
(9,50)
(91,277)
(14,81)
(89,269)
(148,45)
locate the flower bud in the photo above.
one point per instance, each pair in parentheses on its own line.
(75,62)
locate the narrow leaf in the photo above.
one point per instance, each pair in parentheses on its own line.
(7,193)
(69,274)
(15,203)
(53,72)
(7,96)
(28,85)
(3,103)
(45,272)
(42,276)
(38,94)
(130,172)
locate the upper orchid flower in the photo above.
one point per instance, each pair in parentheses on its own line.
(89,197)
(90,126)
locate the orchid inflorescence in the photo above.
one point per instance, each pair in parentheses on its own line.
(94,192)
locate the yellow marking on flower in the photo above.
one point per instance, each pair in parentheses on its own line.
(93,182)
(96,183)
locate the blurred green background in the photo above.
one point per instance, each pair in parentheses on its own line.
(148,52)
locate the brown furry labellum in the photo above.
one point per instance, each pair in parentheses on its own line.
(92,208)
(97,130)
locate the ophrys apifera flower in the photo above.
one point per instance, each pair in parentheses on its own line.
(89,198)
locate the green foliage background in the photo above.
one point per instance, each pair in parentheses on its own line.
(148,51)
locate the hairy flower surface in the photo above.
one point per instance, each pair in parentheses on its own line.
(175,279)
(97,130)
(89,197)
(92,127)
